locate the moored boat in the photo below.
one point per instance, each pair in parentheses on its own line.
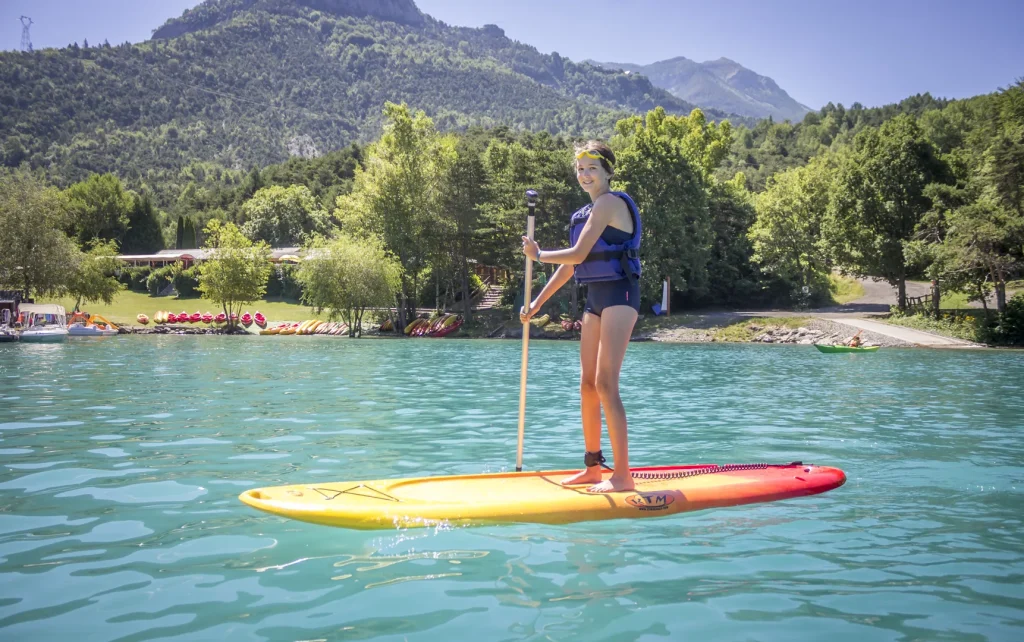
(43,323)
(91,325)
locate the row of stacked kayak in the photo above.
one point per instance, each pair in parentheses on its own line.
(437,325)
(164,317)
(309,327)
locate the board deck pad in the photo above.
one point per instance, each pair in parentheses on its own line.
(538,497)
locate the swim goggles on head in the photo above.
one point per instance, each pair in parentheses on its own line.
(591,154)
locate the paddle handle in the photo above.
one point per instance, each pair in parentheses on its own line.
(531,197)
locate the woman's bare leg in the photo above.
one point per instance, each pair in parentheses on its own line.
(590,402)
(616,329)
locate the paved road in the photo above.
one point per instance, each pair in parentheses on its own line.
(878,298)
(909,335)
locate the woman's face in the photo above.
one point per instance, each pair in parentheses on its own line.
(591,175)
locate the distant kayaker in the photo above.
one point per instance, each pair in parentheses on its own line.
(855,340)
(604,254)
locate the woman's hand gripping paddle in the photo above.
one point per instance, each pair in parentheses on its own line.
(531,204)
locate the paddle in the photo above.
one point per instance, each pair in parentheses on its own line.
(531,204)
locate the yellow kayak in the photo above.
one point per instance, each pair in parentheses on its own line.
(539,497)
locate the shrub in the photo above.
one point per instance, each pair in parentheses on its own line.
(283,284)
(1010,328)
(137,278)
(186,282)
(159,279)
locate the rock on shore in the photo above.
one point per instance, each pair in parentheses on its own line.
(814,331)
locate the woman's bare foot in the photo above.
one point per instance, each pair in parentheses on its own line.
(590,475)
(613,484)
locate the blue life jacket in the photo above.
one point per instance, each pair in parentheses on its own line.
(608,262)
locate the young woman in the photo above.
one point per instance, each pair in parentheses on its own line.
(604,254)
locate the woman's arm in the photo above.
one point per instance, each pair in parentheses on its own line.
(600,217)
(555,283)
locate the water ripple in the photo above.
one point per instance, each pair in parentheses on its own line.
(120,516)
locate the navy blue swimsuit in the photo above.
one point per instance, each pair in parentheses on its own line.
(605,294)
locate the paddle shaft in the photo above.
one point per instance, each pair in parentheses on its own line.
(526,346)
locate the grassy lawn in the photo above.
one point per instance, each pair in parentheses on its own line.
(953,301)
(845,289)
(959,300)
(128,305)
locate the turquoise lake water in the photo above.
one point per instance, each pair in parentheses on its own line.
(122,459)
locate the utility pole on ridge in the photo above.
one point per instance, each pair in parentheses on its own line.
(26,40)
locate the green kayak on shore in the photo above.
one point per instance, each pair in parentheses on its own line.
(822,348)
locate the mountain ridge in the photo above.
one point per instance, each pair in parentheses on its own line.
(252,83)
(722,84)
(213,12)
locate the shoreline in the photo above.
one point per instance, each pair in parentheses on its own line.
(793,330)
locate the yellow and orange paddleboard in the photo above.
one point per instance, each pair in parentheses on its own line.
(539,497)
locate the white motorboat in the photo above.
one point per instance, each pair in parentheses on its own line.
(44,322)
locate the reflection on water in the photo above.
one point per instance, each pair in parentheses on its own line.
(122,461)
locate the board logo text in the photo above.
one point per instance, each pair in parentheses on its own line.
(651,501)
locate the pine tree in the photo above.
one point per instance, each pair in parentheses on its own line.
(181,233)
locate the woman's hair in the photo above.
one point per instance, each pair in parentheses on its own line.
(603,150)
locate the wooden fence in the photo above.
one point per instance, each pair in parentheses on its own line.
(925,305)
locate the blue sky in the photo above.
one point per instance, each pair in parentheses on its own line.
(869,51)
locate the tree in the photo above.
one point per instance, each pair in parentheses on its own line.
(236,270)
(879,200)
(787,235)
(463,196)
(143,235)
(980,240)
(284,216)
(35,253)
(511,167)
(1002,172)
(397,192)
(345,276)
(188,236)
(93,277)
(665,163)
(14,151)
(180,235)
(98,208)
(734,279)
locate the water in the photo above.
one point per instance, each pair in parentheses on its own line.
(122,459)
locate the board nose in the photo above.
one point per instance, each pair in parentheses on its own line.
(253,497)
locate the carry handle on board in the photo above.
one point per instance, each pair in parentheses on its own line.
(531,204)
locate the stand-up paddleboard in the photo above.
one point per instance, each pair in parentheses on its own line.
(538,497)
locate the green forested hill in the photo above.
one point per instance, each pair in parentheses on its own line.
(770,147)
(253,82)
